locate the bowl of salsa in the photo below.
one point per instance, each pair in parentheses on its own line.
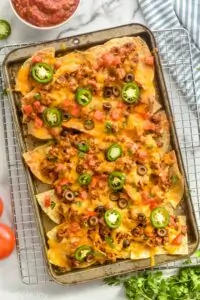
(45,14)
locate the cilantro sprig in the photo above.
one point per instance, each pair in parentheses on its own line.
(154,286)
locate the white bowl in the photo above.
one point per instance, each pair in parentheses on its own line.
(43,28)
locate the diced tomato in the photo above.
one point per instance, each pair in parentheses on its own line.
(116,114)
(172,221)
(27,109)
(178,240)
(38,122)
(66,103)
(142,154)
(47,201)
(74,227)
(57,64)
(90,214)
(154,204)
(37,105)
(60,167)
(149,60)
(151,201)
(120,105)
(94,182)
(58,189)
(75,111)
(63,181)
(149,126)
(83,195)
(98,115)
(36,59)
(109,59)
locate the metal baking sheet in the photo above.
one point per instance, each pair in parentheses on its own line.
(11,65)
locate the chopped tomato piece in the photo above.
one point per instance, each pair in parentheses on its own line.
(38,122)
(37,105)
(75,111)
(151,201)
(149,126)
(83,195)
(66,103)
(47,201)
(90,214)
(149,60)
(63,181)
(142,154)
(60,167)
(109,59)
(36,59)
(74,227)
(178,240)
(99,115)
(27,109)
(94,182)
(120,105)
(116,114)
(57,64)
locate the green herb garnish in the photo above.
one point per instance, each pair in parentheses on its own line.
(154,286)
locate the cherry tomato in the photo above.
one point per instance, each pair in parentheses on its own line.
(7,241)
(1,206)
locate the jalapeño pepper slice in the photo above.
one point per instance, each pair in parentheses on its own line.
(83,96)
(130,93)
(113,152)
(159,217)
(116,180)
(112,218)
(52,117)
(83,146)
(84,179)
(42,73)
(82,252)
(5,29)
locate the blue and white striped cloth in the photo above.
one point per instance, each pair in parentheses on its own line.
(168,14)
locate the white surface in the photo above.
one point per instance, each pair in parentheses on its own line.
(92,15)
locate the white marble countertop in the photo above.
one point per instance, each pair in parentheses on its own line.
(92,15)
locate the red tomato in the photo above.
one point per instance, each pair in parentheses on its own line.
(98,115)
(149,60)
(38,122)
(37,105)
(116,114)
(75,111)
(83,195)
(36,59)
(74,227)
(27,109)
(47,201)
(1,206)
(178,240)
(7,241)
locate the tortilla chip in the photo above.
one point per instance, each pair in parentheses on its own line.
(176,191)
(34,158)
(24,83)
(52,211)
(41,133)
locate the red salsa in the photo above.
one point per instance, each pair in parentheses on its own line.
(45,13)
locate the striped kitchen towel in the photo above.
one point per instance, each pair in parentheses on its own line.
(168,14)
